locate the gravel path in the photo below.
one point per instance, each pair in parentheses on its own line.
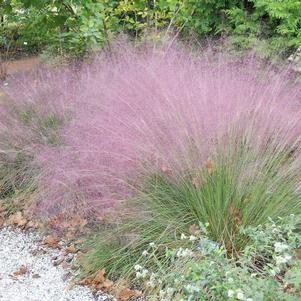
(40,280)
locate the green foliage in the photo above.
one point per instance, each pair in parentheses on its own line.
(266,269)
(274,25)
(77,27)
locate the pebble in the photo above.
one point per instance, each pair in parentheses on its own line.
(43,281)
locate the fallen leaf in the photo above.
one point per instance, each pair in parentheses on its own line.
(77,222)
(30,224)
(99,277)
(210,166)
(126,293)
(70,234)
(51,241)
(79,242)
(22,270)
(106,285)
(17,219)
(71,249)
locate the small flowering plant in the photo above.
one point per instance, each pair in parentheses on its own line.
(267,269)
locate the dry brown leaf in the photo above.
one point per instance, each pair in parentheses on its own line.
(51,241)
(99,277)
(126,293)
(78,222)
(210,166)
(70,234)
(71,249)
(106,285)
(79,242)
(17,219)
(22,270)
(30,224)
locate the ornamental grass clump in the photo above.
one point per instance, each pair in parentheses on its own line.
(181,138)
(32,113)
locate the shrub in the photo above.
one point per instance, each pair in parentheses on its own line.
(76,28)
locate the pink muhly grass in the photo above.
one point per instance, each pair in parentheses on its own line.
(146,111)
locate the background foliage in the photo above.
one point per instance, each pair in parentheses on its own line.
(77,27)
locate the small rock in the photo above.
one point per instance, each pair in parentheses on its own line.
(69,258)
(58,261)
(66,276)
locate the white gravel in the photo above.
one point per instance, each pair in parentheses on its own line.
(43,281)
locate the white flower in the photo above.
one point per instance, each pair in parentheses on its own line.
(280,247)
(184,252)
(192,238)
(249,299)
(137,267)
(145,253)
(240,295)
(144,273)
(170,291)
(151,284)
(25,43)
(183,236)
(283,259)
(138,275)
(5,84)
(230,293)
(152,244)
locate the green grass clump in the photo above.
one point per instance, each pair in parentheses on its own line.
(45,126)
(17,180)
(29,127)
(242,185)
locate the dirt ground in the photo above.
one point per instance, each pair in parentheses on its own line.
(20,65)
